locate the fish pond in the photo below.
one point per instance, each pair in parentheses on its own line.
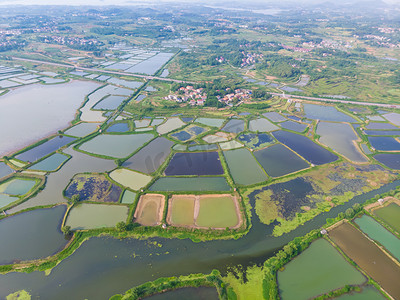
(5,170)
(18,186)
(262,125)
(110,102)
(150,209)
(243,167)
(210,122)
(188,133)
(380,126)
(119,127)
(278,160)
(326,113)
(57,104)
(95,188)
(45,149)
(112,145)
(384,143)
(390,214)
(393,117)
(234,126)
(341,138)
(302,145)
(318,270)
(256,140)
(382,132)
(198,163)
(51,163)
(390,160)
(380,234)
(91,216)
(170,125)
(82,129)
(128,197)
(41,235)
(294,126)
(274,116)
(368,256)
(130,179)
(151,157)
(181,210)
(190,184)
(217,211)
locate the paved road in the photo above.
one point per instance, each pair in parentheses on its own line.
(336,100)
(102,71)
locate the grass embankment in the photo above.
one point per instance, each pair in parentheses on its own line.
(162,285)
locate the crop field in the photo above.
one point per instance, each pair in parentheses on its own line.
(95,188)
(150,209)
(368,256)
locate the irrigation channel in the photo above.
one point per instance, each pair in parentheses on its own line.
(104,266)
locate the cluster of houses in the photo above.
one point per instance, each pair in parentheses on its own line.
(238,95)
(189,94)
(250,59)
(296,49)
(63,40)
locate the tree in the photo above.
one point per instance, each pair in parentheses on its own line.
(121,226)
(75,198)
(66,230)
(349,213)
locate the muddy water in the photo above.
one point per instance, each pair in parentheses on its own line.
(368,256)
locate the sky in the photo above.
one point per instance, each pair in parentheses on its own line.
(132,2)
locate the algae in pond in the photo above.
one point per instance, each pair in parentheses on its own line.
(93,188)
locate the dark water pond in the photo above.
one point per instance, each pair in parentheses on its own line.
(45,148)
(31,235)
(234,126)
(390,160)
(293,126)
(382,132)
(118,127)
(5,170)
(381,126)
(151,157)
(384,143)
(305,147)
(278,160)
(198,163)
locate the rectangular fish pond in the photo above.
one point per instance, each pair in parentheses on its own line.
(390,160)
(18,186)
(318,270)
(262,125)
(44,149)
(188,133)
(198,163)
(243,167)
(150,210)
(384,143)
(325,113)
(150,157)
(278,160)
(92,216)
(131,179)
(305,147)
(390,214)
(51,163)
(118,146)
(82,129)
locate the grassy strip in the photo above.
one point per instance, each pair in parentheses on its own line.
(165,284)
